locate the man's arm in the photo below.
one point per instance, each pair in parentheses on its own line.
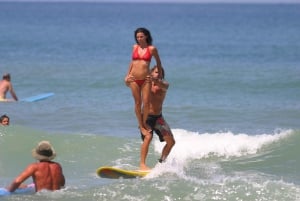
(163,84)
(21,178)
(12,92)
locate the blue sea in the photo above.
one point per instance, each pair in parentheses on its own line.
(233,102)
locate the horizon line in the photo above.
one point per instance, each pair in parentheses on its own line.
(167,1)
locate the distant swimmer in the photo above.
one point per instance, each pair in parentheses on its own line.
(5,86)
(4,120)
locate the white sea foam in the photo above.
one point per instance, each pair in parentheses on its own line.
(193,145)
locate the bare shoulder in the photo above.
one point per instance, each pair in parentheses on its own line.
(32,165)
(30,169)
(5,83)
(56,165)
(152,48)
(51,163)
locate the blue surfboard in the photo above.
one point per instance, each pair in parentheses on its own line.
(37,97)
(28,190)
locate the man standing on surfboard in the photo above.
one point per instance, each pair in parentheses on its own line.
(155,120)
(46,174)
(5,86)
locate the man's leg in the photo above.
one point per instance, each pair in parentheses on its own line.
(170,142)
(144,151)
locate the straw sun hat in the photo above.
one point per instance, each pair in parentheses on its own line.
(44,151)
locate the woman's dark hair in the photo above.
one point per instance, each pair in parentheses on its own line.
(147,34)
(162,73)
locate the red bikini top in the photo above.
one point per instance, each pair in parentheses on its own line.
(146,56)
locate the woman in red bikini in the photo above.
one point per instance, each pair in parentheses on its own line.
(138,75)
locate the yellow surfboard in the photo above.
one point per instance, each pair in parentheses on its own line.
(116,173)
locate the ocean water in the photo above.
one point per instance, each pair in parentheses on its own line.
(233,102)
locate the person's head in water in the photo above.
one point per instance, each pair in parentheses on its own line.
(4,120)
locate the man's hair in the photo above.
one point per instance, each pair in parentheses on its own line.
(162,71)
(6,76)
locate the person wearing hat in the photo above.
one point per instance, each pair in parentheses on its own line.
(46,174)
(5,86)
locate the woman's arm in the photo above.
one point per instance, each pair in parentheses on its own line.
(155,54)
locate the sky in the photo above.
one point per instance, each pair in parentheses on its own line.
(174,1)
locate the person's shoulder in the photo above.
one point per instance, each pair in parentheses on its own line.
(32,167)
(56,164)
(44,164)
(152,47)
(4,82)
(33,164)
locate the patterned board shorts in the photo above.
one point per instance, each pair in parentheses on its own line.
(158,124)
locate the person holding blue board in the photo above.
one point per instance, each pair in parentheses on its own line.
(46,174)
(6,86)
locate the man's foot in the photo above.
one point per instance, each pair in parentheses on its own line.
(162,160)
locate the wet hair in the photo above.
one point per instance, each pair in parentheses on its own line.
(6,76)
(3,117)
(162,71)
(147,34)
